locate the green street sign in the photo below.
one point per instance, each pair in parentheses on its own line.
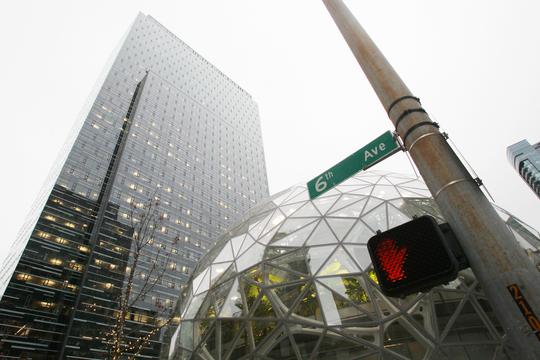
(369,155)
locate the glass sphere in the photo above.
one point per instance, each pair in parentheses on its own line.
(293,280)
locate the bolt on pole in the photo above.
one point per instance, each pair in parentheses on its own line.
(509,279)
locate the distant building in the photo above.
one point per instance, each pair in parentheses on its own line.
(525,158)
(164,124)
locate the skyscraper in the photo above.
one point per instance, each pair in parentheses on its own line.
(525,158)
(165,128)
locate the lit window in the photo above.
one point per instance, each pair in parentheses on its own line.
(108,285)
(61,240)
(43,235)
(50,218)
(48,282)
(69,225)
(84,249)
(55,261)
(24,277)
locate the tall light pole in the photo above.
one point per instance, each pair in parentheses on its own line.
(509,279)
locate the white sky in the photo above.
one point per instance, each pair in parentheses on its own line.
(474,64)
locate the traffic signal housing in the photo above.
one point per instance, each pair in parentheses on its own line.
(413,257)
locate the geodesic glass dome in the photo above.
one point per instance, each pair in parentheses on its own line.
(293,280)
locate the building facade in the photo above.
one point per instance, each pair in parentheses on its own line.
(167,137)
(293,280)
(525,158)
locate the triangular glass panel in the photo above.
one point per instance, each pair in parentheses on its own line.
(421,192)
(265,239)
(396,217)
(248,241)
(263,308)
(364,190)
(322,235)
(210,344)
(317,256)
(226,275)
(217,270)
(339,263)
(278,276)
(294,261)
(360,255)
(306,343)
(330,311)
(330,193)
(256,229)
(185,339)
(288,294)
(225,254)
(291,225)
(353,211)
(220,295)
(340,226)
(251,257)
(337,346)
(289,209)
(202,282)
(230,336)
(384,181)
(193,307)
(325,203)
(274,251)
(208,308)
(233,305)
(360,234)
(309,306)
(252,292)
(459,330)
(201,332)
(385,192)
(275,220)
(349,287)
(355,180)
(340,310)
(414,183)
(346,200)
(399,340)
(369,177)
(406,193)
(295,239)
(261,328)
(373,202)
(299,194)
(376,219)
(308,210)
(236,243)
(279,197)
(283,350)
(446,304)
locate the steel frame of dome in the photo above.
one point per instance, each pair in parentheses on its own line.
(293,280)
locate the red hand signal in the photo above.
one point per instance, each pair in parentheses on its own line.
(392,259)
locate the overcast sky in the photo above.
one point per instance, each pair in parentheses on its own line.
(474,64)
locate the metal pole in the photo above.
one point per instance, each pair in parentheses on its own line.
(497,260)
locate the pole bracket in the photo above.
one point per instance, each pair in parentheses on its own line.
(395,102)
(416,126)
(447,185)
(408,112)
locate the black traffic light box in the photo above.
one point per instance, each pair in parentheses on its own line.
(414,256)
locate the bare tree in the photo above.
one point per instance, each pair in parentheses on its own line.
(125,341)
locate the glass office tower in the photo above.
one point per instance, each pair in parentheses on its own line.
(525,158)
(165,127)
